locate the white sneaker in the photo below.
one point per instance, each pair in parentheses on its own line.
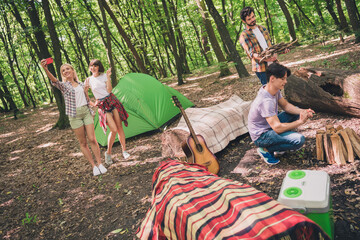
(96,171)
(126,155)
(277,154)
(108,160)
(102,169)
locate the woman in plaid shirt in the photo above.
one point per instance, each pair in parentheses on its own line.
(79,113)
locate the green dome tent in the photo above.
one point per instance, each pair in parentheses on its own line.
(148,103)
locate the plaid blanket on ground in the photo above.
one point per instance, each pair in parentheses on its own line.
(218,124)
(189,202)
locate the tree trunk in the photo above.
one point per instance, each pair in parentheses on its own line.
(330,8)
(7,93)
(318,10)
(63,121)
(302,12)
(125,37)
(108,43)
(79,40)
(224,70)
(343,23)
(173,45)
(225,36)
(288,20)
(325,90)
(354,18)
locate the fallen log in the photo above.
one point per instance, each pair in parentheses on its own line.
(325,90)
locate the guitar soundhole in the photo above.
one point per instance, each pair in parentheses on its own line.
(199,148)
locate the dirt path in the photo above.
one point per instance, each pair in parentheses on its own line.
(44,174)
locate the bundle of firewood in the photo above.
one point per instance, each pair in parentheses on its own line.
(337,145)
(277,48)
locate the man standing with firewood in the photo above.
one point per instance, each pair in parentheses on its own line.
(255,39)
(269,130)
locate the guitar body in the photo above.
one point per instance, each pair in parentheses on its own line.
(202,156)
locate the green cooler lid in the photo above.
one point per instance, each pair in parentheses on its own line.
(297,174)
(292,192)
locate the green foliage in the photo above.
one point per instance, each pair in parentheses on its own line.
(29,220)
(145,24)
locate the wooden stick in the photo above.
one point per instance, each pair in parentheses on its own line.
(348,146)
(320,153)
(354,139)
(338,154)
(328,149)
(338,128)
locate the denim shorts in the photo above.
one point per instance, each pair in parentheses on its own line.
(83,117)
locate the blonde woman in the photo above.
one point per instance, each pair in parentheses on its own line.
(111,112)
(79,113)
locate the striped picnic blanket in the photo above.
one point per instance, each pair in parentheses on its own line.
(189,202)
(218,124)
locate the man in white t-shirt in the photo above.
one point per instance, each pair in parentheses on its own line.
(255,39)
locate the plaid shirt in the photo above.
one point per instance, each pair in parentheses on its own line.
(69,96)
(251,45)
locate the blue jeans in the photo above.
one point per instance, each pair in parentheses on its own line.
(274,142)
(262,77)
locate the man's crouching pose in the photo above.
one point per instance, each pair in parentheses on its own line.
(269,129)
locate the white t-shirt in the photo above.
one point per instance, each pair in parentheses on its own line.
(260,38)
(80,98)
(98,86)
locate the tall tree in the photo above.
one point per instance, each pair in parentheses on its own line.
(330,8)
(108,43)
(125,37)
(225,36)
(7,95)
(224,70)
(289,21)
(343,23)
(63,121)
(173,44)
(354,18)
(318,10)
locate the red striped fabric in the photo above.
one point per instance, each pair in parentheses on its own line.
(189,202)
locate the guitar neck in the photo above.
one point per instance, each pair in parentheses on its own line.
(192,132)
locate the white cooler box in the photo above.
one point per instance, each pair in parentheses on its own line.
(308,192)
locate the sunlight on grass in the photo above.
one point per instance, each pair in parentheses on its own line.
(316,58)
(7,134)
(44,128)
(214,99)
(7,203)
(45,145)
(15,173)
(77,154)
(17,151)
(16,139)
(13,158)
(197,78)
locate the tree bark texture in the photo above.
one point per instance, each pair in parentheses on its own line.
(138,60)
(63,121)
(288,19)
(325,90)
(225,37)
(354,18)
(224,70)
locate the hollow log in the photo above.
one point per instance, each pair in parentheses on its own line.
(325,90)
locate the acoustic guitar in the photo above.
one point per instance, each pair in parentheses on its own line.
(195,147)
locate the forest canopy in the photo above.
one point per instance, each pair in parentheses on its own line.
(163,38)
